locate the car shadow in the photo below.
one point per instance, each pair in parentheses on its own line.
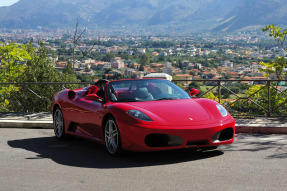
(82,153)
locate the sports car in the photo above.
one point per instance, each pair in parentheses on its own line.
(141,115)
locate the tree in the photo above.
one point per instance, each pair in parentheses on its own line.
(276,67)
(141,68)
(225,93)
(41,69)
(75,40)
(277,100)
(144,59)
(211,96)
(37,67)
(124,56)
(195,85)
(11,56)
(161,58)
(180,65)
(107,57)
(68,70)
(278,35)
(13,60)
(259,94)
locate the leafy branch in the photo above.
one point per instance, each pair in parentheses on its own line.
(278,34)
(276,67)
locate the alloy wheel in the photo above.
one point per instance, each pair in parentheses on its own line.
(58,123)
(112,137)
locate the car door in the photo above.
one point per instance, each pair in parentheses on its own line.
(89,114)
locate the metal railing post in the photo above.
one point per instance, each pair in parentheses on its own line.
(269,100)
(25,97)
(219,91)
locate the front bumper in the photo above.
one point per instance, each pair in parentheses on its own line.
(141,138)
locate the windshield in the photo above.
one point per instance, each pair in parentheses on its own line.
(144,90)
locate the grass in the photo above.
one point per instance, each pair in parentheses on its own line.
(207,88)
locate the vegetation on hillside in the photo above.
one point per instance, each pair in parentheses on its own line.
(23,63)
(277,68)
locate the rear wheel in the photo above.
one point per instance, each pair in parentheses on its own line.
(112,137)
(58,123)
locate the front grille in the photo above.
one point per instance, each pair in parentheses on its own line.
(197,143)
(163,140)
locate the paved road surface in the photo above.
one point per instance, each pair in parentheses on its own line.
(32,159)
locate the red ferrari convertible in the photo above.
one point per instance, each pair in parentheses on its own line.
(141,115)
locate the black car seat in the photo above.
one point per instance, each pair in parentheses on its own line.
(142,93)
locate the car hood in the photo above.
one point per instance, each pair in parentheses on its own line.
(183,110)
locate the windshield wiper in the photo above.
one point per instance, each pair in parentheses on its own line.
(128,100)
(166,99)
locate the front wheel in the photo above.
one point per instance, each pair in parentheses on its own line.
(112,137)
(58,123)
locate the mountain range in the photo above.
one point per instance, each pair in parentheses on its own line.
(215,15)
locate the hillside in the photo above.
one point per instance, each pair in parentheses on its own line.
(255,12)
(223,15)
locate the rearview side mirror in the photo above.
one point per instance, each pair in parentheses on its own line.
(94,97)
(193,92)
(93,89)
(92,94)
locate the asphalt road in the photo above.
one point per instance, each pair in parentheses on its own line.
(32,159)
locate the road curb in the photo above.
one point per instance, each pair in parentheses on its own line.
(26,124)
(260,130)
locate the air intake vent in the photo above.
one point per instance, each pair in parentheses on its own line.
(224,135)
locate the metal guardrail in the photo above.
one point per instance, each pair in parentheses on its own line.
(268,100)
(29,97)
(273,104)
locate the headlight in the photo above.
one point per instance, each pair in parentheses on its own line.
(139,115)
(222,110)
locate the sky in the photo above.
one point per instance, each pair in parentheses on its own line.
(7,2)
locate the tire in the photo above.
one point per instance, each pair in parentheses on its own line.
(112,137)
(59,125)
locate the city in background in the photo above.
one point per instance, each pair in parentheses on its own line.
(194,56)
